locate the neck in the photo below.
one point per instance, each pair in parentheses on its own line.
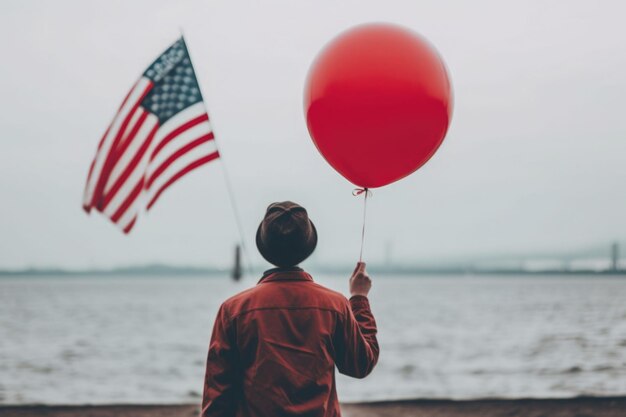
(295,268)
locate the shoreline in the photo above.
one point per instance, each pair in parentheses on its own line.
(525,407)
(168,271)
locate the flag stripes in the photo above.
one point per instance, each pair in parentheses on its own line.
(104,152)
(160,133)
(195,164)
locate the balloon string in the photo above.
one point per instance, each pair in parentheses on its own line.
(367,192)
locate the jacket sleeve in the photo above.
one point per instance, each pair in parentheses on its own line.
(356,347)
(221,379)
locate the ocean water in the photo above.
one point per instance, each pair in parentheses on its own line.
(144,340)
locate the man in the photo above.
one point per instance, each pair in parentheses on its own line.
(274,347)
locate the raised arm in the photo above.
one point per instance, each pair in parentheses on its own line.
(356,348)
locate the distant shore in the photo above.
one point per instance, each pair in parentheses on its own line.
(574,407)
(178,271)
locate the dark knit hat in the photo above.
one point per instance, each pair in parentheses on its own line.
(286,236)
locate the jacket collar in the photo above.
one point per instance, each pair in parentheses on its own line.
(293,273)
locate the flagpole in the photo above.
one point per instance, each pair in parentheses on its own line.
(233,203)
(229,187)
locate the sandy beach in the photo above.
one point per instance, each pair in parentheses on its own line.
(575,407)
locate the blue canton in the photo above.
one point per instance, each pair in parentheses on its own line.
(175,84)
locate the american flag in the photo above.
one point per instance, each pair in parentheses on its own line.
(160,133)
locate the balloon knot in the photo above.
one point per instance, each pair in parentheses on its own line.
(359,191)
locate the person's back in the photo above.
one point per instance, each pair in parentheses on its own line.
(274,347)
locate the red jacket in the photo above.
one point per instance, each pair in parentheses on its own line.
(275,346)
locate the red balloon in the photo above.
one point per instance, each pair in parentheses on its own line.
(378,103)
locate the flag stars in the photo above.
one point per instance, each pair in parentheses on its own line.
(175,91)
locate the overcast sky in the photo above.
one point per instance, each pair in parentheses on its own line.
(534,159)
